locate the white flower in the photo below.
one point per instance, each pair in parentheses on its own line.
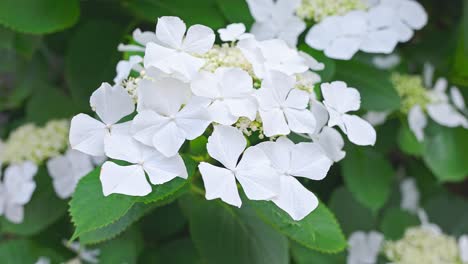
(230,91)
(161,122)
(66,170)
(124,67)
(457,98)
(417,121)
(253,171)
(110,104)
(141,38)
(43,260)
(276,19)
(282,108)
(339,99)
(331,142)
(386,62)
(364,247)
(296,160)
(233,32)
(131,179)
(409,195)
(16,190)
(88,255)
(463,248)
(271,55)
(376,118)
(175,52)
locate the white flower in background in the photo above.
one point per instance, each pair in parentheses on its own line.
(141,38)
(272,55)
(339,100)
(463,248)
(230,91)
(386,62)
(364,247)
(457,98)
(376,118)
(409,195)
(417,121)
(16,190)
(254,172)
(124,67)
(174,54)
(66,170)
(282,108)
(276,19)
(111,104)
(296,160)
(131,179)
(43,260)
(233,32)
(161,122)
(88,255)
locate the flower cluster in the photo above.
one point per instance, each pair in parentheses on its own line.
(240,88)
(420,96)
(318,10)
(36,144)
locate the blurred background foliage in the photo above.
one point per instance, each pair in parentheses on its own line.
(55,53)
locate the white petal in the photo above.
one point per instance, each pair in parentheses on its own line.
(260,9)
(19,182)
(417,121)
(463,247)
(87,135)
(340,97)
(170,31)
(199,39)
(111,103)
(308,160)
(446,115)
(144,37)
(164,96)
(300,121)
(185,66)
(232,32)
(205,84)
(159,57)
(14,213)
(359,131)
(278,152)
(320,114)
(219,183)
(343,48)
(146,124)
(297,99)
(413,14)
(332,143)
(274,123)
(291,29)
(457,98)
(193,119)
(161,169)
(123,147)
(245,107)
(321,35)
(295,199)
(441,85)
(311,62)
(225,145)
(376,118)
(63,180)
(219,113)
(405,33)
(234,82)
(380,41)
(128,180)
(258,179)
(428,74)
(409,195)
(124,68)
(169,139)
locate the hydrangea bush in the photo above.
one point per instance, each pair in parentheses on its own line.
(247,131)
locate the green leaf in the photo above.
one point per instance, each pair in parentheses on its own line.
(377,92)
(18,252)
(224,234)
(39,16)
(236,11)
(180,251)
(110,231)
(163,223)
(319,230)
(395,221)
(445,152)
(408,142)
(91,58)
(351,214)
(459,75)
(36,217)
(124,249)
(205,12)
(368,175)
(303,255)
(449,212)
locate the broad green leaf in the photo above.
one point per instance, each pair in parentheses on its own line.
(319,230)
(224,234)
(368,175)
(180,251)
(110,231)
(18,252)
(43,210)
(445,152)
(303,255)
(236,11)
(449,212)
(205,12)
(395,221)
(459,74)
(124,249)
(163,223)
(377,92)
(408,142)
(91,58)
(351,214)
(39,16)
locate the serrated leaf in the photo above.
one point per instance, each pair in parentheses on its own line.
(368,175)
(377,92)
(224,234)
(43,210)
(39,16)
(445,152)
(319,230)
(395,221)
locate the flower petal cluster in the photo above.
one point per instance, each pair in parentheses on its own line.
(317,10)
(376,30)
(185,88)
